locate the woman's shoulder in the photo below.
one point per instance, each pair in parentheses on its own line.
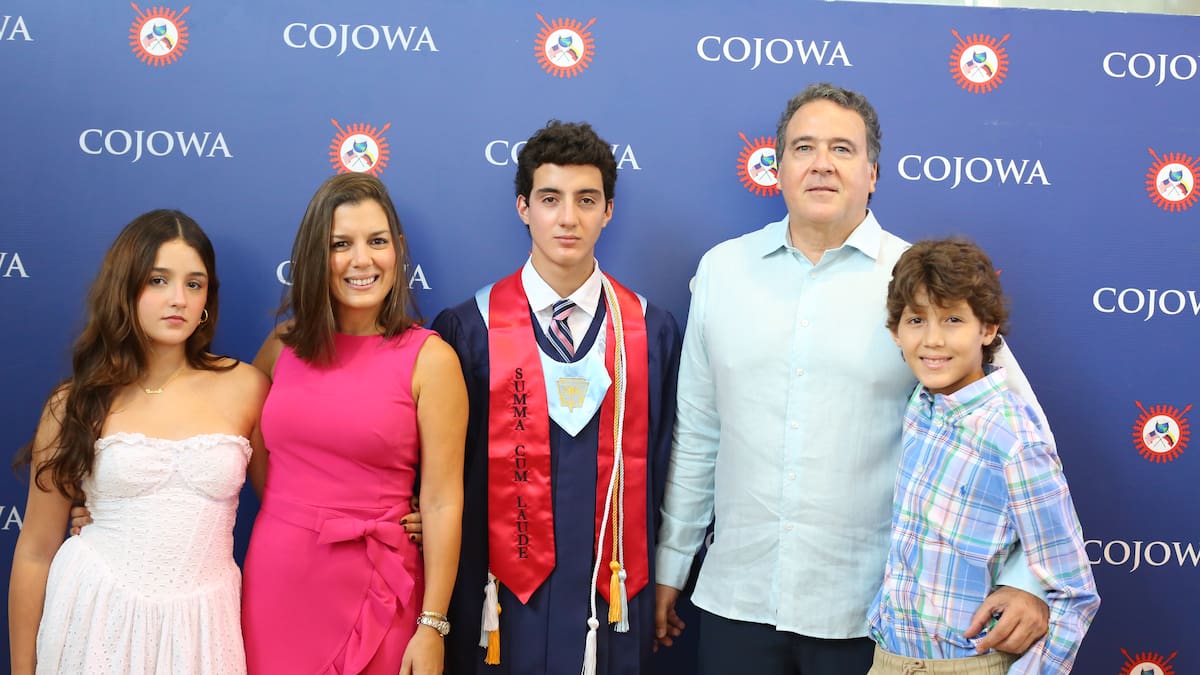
(235,376)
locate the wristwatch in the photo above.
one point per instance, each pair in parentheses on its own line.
(436,621)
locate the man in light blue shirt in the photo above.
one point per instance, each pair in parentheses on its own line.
(787,436)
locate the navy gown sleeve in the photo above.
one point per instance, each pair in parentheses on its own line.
(462,327)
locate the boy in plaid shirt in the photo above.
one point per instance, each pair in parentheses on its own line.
(976,478)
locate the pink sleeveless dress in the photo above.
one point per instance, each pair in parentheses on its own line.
(332,583)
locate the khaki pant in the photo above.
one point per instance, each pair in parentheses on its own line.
(995,663)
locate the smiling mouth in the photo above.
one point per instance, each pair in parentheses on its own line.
(362,283)
(935,362)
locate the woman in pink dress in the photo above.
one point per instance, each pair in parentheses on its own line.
(364,404)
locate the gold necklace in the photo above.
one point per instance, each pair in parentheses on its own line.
(167,381)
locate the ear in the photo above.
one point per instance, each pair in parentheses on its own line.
(523,208)
(608,213)
(895,337)
(874,176)
(990,330)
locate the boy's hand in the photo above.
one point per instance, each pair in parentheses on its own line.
(667,624)
(80,516)
(1023,620)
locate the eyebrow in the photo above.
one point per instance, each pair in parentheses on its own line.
(335,235)
(164,270)
(556,191)
(835,140)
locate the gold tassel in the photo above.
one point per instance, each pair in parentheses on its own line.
(614,593)
(493,648)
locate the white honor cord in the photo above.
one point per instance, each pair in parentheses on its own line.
(614,310)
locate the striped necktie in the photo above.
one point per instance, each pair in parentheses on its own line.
(560,332)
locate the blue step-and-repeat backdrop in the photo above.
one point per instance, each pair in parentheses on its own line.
(1064,142)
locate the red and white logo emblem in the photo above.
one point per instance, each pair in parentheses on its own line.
(758,167)
(159,35)
(360,148)
(564,48)
(1147,663)
(979,64)
(1171,180)
(1161,432)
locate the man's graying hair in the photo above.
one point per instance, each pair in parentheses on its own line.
(850,100)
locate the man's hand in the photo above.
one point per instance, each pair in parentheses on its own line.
(1024,619)
(667,624)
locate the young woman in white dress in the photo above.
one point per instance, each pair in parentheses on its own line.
(153,429)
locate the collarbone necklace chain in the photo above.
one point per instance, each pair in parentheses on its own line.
(159,389)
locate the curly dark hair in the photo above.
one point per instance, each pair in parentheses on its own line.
(949,270)
(566,144)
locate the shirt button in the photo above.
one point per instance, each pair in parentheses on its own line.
(788,527)
(799,372)
(812,275)
(791,475)
(804,323)
(937,422)
(795,424)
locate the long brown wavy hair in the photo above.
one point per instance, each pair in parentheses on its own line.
(111,351)
(309,301)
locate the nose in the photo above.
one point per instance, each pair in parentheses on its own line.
(569,215)
(822,160)
(179,295)
(360,256)
(934,335)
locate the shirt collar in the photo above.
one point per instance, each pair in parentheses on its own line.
(542,297)
(968,398)
(867,237)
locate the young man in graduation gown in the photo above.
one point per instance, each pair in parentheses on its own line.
(571,380)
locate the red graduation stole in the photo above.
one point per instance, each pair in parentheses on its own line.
(521,550)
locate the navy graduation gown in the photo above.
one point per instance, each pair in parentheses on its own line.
(547,634)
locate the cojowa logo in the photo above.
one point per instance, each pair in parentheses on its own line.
(1151,301)
(775,51)
(1143,66)
(1147,663)
(11,266)
(415,275)
(979,63)
(564,47)
(1136,553)
(941,169)
(1171,180)
(157,143)
(758,167)
(502,152)
(363,37)
(359,148)
(14,28)
(159,35)
(1161,432)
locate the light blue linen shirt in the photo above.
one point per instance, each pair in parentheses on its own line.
(791,399)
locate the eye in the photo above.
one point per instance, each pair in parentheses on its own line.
(157,281)
(803,147)
(914,321)
(843,149)
(195,285)
(954,319)
(380,242)
(339,245)
(549,200)
(587,201)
